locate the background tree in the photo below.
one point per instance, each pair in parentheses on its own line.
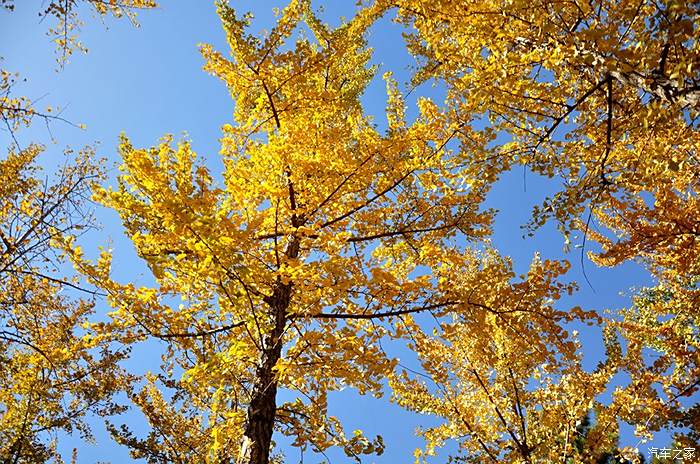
(661,331)
(604,96)
(586,436)
(52,371)
(321,236)
(506,383)
(17,110)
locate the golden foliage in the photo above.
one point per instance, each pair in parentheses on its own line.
(52,371)
(603,95)
(322,236)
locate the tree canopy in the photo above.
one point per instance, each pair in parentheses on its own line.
(53,374)
(325,236)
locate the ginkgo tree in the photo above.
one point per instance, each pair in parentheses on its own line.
(320,238)
(19,110)
(53,373)
(507,381)
(604,96)
(323,235)
(66,19)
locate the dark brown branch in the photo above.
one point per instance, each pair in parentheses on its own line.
(391,187)
(570,109)
(608,132)
(16,338)
(58,281)
(399,312)
(272,104)
(523,449)
(394,233)
(200,334)
(519,407)
(30,113)
(342,183)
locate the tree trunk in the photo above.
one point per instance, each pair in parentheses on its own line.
(263,405)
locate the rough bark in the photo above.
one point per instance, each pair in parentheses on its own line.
(263,403)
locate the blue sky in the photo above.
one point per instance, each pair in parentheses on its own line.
(148,82)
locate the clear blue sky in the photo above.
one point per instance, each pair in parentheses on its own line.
(148,82)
